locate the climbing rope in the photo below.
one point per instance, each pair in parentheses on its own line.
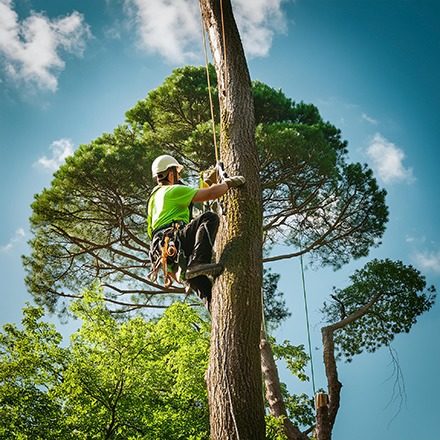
(224,40)
(211,105)
(306,309)
(205,50)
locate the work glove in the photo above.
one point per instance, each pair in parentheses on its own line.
(235,181)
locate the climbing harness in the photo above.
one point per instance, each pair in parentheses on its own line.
(166,253)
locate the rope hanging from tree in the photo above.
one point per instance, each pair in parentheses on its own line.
(211,105)
(306,310)
(217,151)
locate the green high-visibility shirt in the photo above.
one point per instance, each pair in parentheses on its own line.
(167,204)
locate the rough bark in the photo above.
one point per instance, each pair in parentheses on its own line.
(323,430)
(277,408)
(326,415)
(234,373)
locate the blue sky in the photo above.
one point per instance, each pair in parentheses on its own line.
(69,70)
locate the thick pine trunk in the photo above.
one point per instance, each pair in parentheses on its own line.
(234,373)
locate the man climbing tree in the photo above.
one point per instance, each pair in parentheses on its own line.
(168,221)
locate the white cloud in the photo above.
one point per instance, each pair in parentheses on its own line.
(172,28)
(31,48)
(61,149)
(387,161)
(259,23)
(17,238)
(369,119)
(428,261)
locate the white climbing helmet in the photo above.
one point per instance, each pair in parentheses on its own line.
(164,162)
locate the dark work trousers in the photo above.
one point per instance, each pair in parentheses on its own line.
(197,239)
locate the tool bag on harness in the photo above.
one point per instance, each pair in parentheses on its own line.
(166,254)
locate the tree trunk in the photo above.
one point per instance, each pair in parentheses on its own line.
(322,430)
(274,397)
(326,415)
(325,419)
(234,373)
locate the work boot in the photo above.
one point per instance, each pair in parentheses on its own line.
(197,269)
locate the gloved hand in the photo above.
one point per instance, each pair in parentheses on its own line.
(235,181)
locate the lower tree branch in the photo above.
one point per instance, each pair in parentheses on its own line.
(274,397)
(327,416)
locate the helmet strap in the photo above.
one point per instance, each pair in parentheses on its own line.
(164,178)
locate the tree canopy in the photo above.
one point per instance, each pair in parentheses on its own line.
(389,294)
(118,378)
(90,223)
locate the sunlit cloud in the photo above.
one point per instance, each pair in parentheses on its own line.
(387,161)
(61,149)
(173,28)
(13,241)
(429,261)
(30,49)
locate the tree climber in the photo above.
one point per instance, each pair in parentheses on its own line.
(169,213)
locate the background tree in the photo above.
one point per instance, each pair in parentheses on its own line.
(90,223)
(385,298)
(31,366)
(118,378)
(131,378)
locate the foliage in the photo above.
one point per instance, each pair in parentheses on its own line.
(140,379)
(397,294)
(275,310)
(31,365)
(312,198)
(295,357)
(300,407)
(90,223)
(91,219)
(118,379)
(275,428)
